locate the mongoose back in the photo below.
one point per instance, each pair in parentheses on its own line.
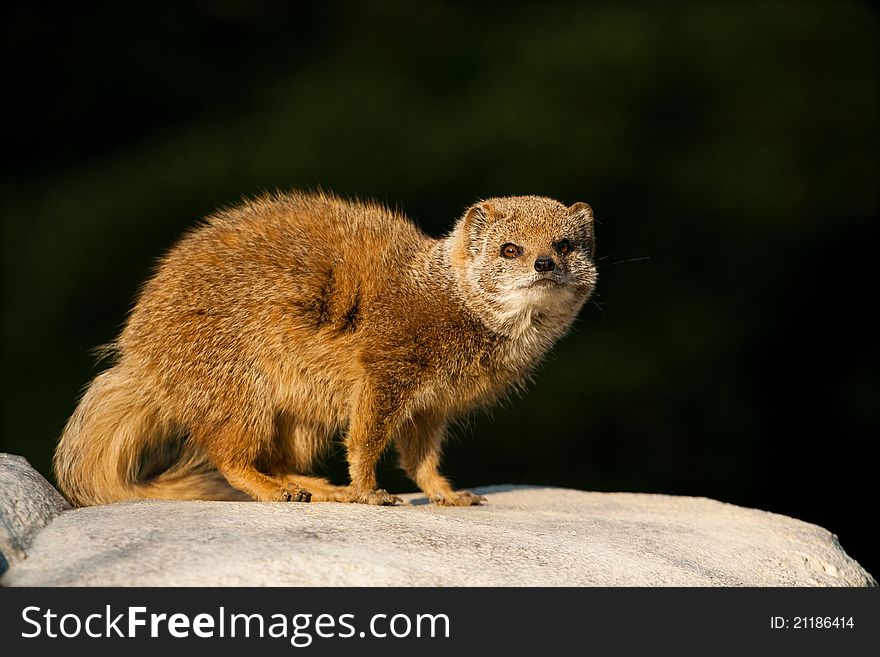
(274,326)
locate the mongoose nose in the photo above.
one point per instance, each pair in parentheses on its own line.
(544,263)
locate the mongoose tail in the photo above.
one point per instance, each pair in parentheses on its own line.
(116,436)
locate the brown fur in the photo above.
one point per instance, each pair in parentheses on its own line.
(281,322)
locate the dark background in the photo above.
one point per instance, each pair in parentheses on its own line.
(730,152)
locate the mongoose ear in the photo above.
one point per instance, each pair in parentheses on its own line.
(470,227)
(581,210)
(477,215)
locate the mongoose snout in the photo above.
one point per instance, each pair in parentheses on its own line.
(544,263)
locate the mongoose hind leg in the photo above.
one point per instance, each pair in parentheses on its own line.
(263,488)
(321,489)
(233,450)
(420,445)
(296,448)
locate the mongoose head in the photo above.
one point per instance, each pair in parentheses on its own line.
(522,259)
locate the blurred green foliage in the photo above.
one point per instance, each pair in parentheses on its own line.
(730,152)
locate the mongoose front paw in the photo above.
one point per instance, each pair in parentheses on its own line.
(296,494)
(378,497)
(457,498)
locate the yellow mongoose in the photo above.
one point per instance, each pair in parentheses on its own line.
(277,324)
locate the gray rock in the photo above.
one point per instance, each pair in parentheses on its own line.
(27,504)
(531,536)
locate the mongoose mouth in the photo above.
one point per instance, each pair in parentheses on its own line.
(544,283)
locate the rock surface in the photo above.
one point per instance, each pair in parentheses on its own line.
(530,536)
(27,504)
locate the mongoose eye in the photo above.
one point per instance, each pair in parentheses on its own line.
(510,251)
(563,246)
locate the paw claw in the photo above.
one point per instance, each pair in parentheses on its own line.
(296,494)
(458,498)
(379,497)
